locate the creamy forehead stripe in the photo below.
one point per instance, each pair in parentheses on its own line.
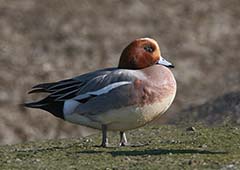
(70,105)
(151,40)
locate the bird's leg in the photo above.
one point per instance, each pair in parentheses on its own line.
(104,136)
(123,139)
(124,142)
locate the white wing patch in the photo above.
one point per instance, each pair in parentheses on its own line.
(103,90)
(71,104)
(109,88)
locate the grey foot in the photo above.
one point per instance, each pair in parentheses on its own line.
(123,139)
(133,145)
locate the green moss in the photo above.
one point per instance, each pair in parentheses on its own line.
(167,147)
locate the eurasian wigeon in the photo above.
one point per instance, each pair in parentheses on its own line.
(121,98)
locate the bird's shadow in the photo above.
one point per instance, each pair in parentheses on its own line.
(154,152)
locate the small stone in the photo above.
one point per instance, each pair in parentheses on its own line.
(230,166)
(88,140)
(192,162)
(192,129)
(18,160)
(204,146)
(127,158)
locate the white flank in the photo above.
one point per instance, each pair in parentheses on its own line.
(125,118)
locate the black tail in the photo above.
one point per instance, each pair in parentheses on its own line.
(58,93)
(48,104)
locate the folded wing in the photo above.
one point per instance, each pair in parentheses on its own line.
(80,89)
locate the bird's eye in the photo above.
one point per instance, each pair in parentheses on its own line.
(148,48)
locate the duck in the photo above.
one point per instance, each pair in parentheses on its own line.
(136,92)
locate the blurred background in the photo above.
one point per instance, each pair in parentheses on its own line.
(49,40)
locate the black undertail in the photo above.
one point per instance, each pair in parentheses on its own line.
(58,93)
(47,104)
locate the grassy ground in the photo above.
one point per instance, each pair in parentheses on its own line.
(50,40)
(167,147)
